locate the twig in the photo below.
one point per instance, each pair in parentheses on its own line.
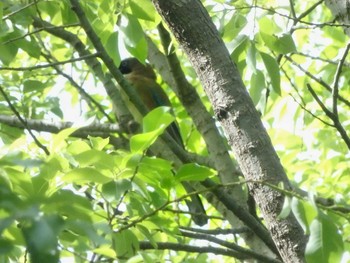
(97,129)
(79,88)
(17,11)
(50,64)
(332,116)
(335,91)
(14,110)
(189,248)
(318,80)
(35,32)
(249,253)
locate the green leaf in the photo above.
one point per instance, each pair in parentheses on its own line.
(159,117)
(105,251)
(6,245)
(41,238)
(193,172)
(113,190)
(141,142)
(1,12)
(133,31)
(251,57)
(8,53)
(134,40)
(286,208)
(33,85)
(234,26)
(94,157)
(273,70)
(268,25)
(304,212)
(257,86)
(282,45)
(77,147)
(140,50)
(85,175)
(143,9)
(112,48)
(59,140)
(154,123)
(31,47)
(99,143)
(325,242)
(126,244)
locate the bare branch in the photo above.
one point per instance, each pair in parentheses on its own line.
(23,122)
(335,91)
(53,64)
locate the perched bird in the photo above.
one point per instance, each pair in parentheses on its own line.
(143,79)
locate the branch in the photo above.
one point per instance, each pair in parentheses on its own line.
(332,116)
(189,248)
(118,76)
(49,65)
(247,252)
(335,91)
(96,129)
(122,112)
(23,122)
(218,231)
(318,80)
(193,28)
(83,93)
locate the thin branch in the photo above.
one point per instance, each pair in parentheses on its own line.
(332,116)
(292,9)
(318,80)
(329,61)
(23,122)
(189,248)
(35,32)
(96,129)
(79,88)
(217,231)
(50,64)
(308,11)
(320,103)
(244,251)
(302,105)
(313,115)
(18,11)
(243,215)
(335,91)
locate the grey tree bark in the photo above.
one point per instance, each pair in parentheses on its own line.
(192,27)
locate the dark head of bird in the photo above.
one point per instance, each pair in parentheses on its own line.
(133,66)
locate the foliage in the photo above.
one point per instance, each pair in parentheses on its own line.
(89,201)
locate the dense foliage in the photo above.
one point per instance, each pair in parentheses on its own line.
(95,195)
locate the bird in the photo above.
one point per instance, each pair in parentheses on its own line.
(143,78)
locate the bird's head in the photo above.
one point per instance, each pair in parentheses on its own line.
(135,67)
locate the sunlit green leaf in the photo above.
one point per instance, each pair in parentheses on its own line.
(126,243)
(115,189)
(193,172)
(85,175)
(273,70)
(282,45)
(325,242)
(143,9)
(112,48)
(156,118)
(257,86)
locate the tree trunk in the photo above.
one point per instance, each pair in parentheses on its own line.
(192,27)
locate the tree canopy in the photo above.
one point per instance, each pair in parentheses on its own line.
(82,181)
